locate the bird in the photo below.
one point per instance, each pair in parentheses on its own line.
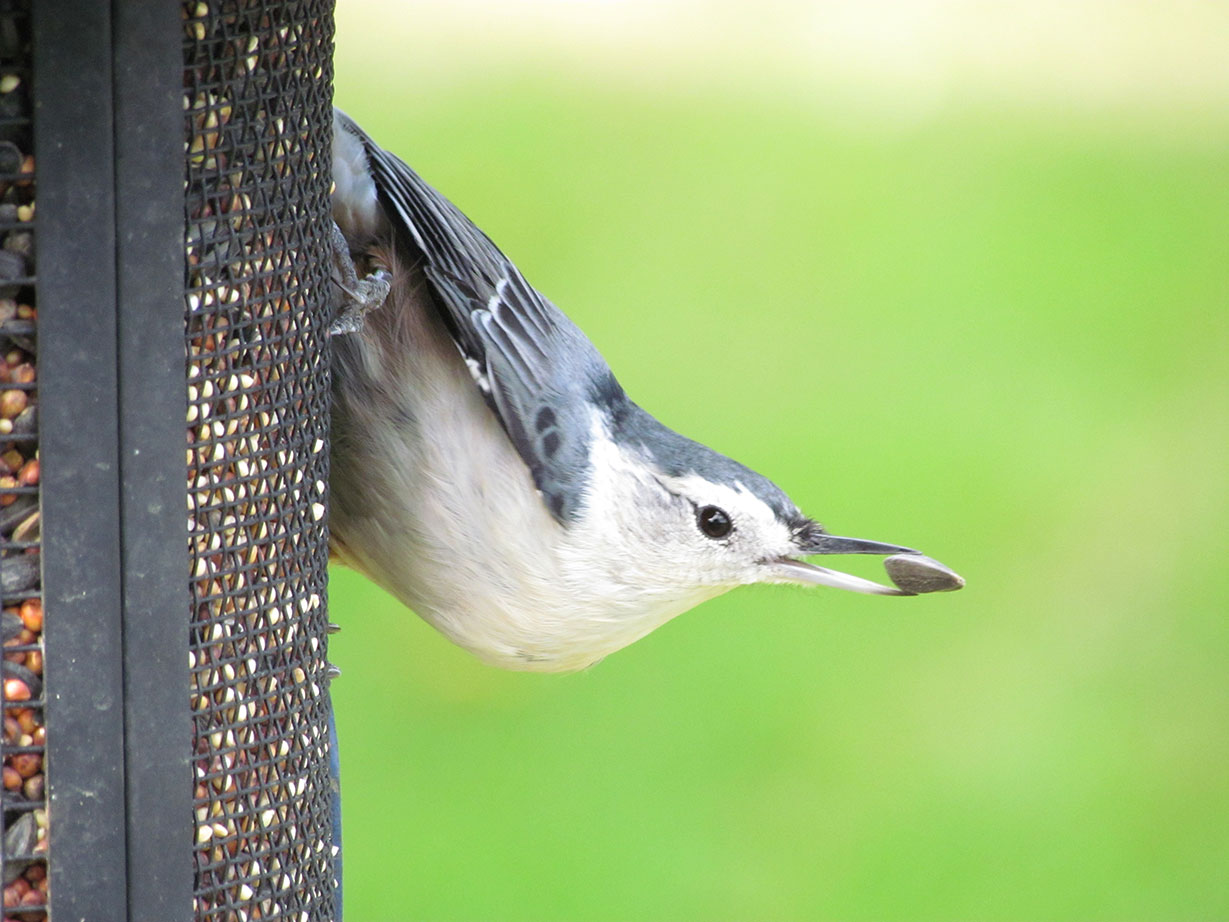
(489,471)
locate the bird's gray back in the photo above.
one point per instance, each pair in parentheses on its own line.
(537,370)
(532,364)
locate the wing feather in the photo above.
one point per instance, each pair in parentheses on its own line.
(541,370)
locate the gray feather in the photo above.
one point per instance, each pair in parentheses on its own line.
(544,375)
(539,366)
(677,455)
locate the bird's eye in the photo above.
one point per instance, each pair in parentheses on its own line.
(713,521)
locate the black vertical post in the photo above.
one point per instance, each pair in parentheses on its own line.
(109,147)
(149,258)
(79,450)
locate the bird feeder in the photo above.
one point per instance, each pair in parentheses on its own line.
(164,388)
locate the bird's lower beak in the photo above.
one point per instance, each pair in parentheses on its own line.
(913,572)
(790,570)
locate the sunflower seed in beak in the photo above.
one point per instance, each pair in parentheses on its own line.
(918,574)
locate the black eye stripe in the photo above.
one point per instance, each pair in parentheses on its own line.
(714,521)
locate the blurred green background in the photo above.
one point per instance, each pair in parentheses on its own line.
(957,276)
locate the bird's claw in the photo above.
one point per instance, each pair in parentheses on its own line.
(354,298)
(356,303)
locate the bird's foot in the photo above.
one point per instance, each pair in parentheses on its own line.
(354,298)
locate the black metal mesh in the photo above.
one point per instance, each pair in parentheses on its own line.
(257,90)
(24,851)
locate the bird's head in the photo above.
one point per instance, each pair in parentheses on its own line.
(684,516)
(746,530)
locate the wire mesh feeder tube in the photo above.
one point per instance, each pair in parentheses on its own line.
(257,97)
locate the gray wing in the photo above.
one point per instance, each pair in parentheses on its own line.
(536,369)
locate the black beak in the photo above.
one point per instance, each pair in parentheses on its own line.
(911,571)
(830,544)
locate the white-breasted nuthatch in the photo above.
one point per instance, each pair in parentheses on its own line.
(490,472)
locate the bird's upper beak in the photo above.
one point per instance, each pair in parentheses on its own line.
(913,572)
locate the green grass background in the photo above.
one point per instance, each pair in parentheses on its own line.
(996,332)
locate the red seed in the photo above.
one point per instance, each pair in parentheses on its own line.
(27,764)
(32,614)
(12,402)
(16,690)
